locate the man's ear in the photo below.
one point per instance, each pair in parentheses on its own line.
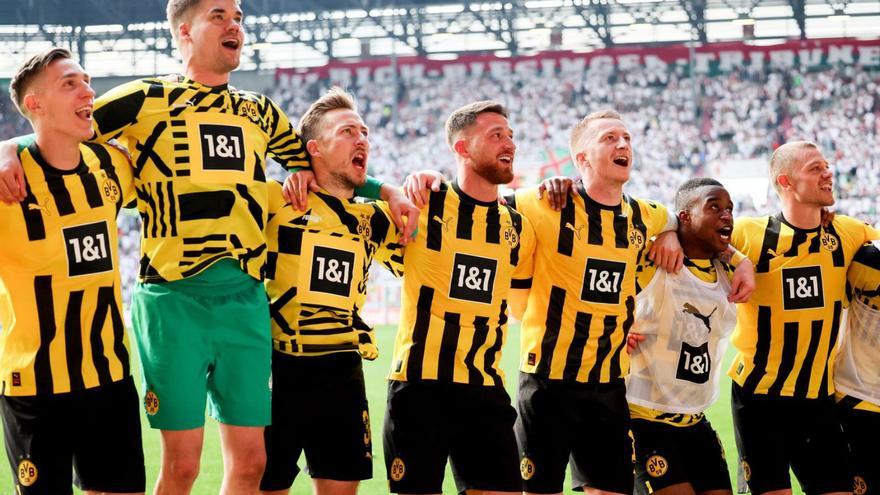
(684,217)
(783,181)
(581,160)
(183,31)
(460,148)
(312,148)
(30,103)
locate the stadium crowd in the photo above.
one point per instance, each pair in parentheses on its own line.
(741,115)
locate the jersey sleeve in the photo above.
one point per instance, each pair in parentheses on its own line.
(389,252)
(285,144)
(118,109)
(658,218)
(276,197)
(524,201)
(871,233)
(740,238)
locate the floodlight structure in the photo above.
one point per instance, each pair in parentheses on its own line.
(283,33)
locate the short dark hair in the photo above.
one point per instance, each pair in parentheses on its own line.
(466,116)
(29,71)
(311,121)
(688,191)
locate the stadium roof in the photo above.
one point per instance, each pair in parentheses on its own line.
(97,12)
(126,37)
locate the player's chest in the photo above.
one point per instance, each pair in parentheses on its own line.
(70,224)
(209,146)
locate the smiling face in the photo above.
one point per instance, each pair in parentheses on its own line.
(606,152)
(705,226)
(809,180)
(342,149)
(60,100)
(212,36)
(489,146)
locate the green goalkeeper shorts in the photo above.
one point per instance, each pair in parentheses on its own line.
(204,337)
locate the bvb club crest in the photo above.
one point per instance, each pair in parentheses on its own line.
(151,403)
(397,469)
(656,466)
(829,241)
(859,485)
(747,470)
(249,110)
(364,230)
(636,238)
(110,190)
(511,237)
(27,472)
(526,468)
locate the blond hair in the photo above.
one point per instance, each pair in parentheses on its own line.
(577,134)
(334,99)
(785,157)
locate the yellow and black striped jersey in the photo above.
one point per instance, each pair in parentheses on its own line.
(459,270)
(60,302)
(199,155)
(318,264)
(582,298)
(786,333)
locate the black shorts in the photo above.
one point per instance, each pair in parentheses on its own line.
(584,425)
(427,422)
(862,430)
(318,406)
(774,434)
(667,455)
(96,431)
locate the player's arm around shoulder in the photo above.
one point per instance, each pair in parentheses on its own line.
(279,212)
(275,196)
(660,224)
(285,144)
(854,232)
(657,217)
(529,201)
(121,107)
(389,251)
(13,188)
